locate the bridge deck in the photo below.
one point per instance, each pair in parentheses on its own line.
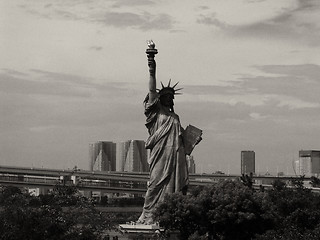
(115,182)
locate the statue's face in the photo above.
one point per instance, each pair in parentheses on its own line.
(167,100)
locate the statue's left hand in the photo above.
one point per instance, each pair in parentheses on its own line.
(199,140)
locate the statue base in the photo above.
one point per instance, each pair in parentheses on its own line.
(136,227)
(141,231)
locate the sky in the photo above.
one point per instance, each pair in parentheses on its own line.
(73,72)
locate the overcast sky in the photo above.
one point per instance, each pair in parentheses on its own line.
(74,72)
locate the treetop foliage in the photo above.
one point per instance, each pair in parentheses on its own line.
(234,210)
(62,214)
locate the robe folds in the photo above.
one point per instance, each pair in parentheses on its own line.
(167,159)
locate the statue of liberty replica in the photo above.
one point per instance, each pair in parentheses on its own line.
(168,142)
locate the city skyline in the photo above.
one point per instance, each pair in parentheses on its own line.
(75,72)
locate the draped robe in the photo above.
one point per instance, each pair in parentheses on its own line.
(167,159)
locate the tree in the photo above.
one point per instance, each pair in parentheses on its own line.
(296,213)
(226,210)
(63,214)
(231,210)
(247,180)
(315,182)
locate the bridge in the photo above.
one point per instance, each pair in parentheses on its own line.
(113,182)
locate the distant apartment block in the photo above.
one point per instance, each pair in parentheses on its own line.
(129,156)
(247,162)
(102,156)
(296,167)
(308,163)
(191,164)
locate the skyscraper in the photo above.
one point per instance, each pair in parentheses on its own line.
(102,156)
(191,164)
(131,156)
(121,155)
(309,163)
(247,162)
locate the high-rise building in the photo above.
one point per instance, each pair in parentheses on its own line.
(247,162)
(309,163)
(191,164)
(296,167)
(121,155)
(102,156)
(132,156)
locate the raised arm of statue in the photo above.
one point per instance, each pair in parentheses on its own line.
(152,80)
(151,51)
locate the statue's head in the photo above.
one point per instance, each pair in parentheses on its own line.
(167,100)
(167,94)
(168,89)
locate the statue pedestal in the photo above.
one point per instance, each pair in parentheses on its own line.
(142,231)
(134,227)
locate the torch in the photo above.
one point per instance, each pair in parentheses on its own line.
(151,52)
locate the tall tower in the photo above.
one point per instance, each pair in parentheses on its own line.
(247,162)
(309,163)
(191,164)
(102,156)
(121,153)
(132,156)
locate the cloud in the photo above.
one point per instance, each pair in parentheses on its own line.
(67,86)
(121,3)
(44,83)
(308,5)
(256,116)
(309,72)
(298,24)
(13,72)
(55,99)
(278,87)
(203,7)
(212,20)
(101,12)
(145,21)
(96,48)
(41,128)
(288,80)
(295,22)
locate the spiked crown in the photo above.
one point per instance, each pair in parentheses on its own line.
(168,89)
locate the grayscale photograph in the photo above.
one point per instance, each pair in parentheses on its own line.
(154,119)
